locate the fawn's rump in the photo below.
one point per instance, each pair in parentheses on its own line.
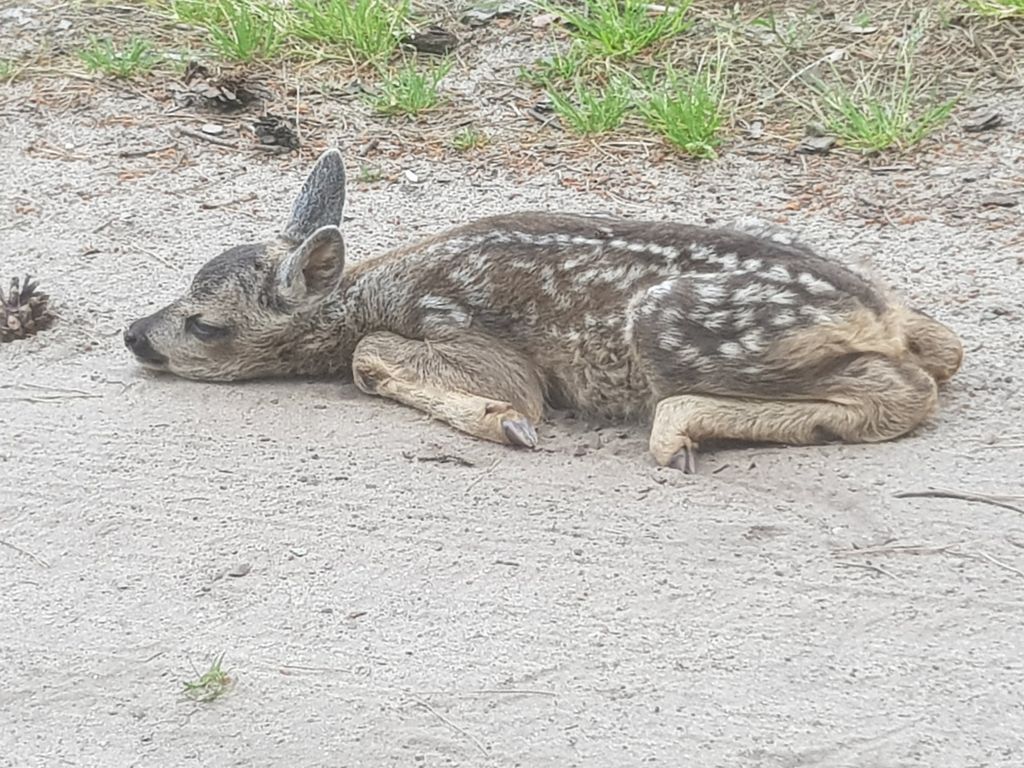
(816,361)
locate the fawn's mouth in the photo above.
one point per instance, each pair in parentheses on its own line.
(143,351)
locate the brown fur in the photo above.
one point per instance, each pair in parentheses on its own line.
(740,333)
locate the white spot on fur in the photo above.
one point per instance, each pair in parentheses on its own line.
(778,273)
(752,341)
(455,312)
(709,292)
(783,319)
(753,293)
(666,252)
(743,318)
(700,252)
(782,297)
(670,340)
(660,290)
(815,285)
(752,265)
(730,349)
(729,262)
(716,321)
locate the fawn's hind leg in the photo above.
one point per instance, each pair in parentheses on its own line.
(871,398)
(475,383)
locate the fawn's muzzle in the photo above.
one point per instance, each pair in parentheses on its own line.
(136,340)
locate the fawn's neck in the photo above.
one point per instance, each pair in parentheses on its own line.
(367,299)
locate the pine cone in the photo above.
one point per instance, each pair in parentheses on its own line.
(23,311)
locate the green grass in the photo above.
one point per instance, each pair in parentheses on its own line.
(873,118)
(469,138)
(369,174)
(409,90)
(999,8)
(369,29)
(559,67)
(883,109)
(201,13)
(211,684)
(247,30)
(620,28)
(687,111)
(591,111)
(136,58)
(8,69)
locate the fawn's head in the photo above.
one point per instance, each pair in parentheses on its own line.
(246,307)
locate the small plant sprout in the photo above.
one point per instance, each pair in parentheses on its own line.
(8,69)
(622,28)
(368,174)
(410,90)
(469,138)
(686,110)
(211,684)
(368,29)
(135,58)
(248,30)
(790,34)
(588,111)
(558,67)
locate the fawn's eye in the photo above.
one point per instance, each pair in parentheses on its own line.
(204,331)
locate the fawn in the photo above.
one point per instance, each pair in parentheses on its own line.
(712,333)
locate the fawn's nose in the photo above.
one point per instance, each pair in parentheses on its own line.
(136,340)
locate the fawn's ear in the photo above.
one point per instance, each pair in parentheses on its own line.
(322,199)
(312,269)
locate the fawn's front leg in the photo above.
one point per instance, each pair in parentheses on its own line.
(473,382)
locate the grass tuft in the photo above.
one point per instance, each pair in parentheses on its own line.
(246,31)
(211,684)
(871,122)
(8,69)
(687,111)
(369,29)
(621,28)
(410,90)
(881,111)
(136,58)
(591,111)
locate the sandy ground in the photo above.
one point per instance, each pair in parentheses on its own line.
(413,597)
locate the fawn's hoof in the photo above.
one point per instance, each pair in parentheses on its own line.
(519,432)
(515,428)
(685,459)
